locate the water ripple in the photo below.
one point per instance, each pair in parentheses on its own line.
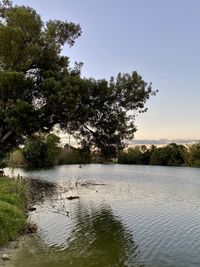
(145,216)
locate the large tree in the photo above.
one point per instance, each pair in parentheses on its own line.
(38,89)
(105,117)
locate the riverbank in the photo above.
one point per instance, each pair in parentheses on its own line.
(14,199)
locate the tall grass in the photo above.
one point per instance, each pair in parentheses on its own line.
(16,158)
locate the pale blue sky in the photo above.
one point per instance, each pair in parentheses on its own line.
(160,39)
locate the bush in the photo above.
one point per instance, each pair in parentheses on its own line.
(41,150)
(73,156)
(170,155)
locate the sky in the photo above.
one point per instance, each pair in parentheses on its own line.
(159,39)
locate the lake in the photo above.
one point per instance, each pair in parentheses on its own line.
(134,216)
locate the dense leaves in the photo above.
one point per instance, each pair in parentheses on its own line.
(170,155)
(34,77)
(194,155)
(106,117)
(39,90)
(41,150)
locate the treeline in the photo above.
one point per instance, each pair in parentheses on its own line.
(169,155)
(43,150)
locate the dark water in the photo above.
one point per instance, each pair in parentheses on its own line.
(143,216)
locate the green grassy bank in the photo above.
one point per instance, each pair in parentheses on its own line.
(13,202)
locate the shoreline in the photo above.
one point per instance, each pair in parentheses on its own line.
(18,195)
(17,198)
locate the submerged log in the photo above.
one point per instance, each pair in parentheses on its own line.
(72,197)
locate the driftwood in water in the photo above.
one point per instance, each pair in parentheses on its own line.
(87,183)
(72,197)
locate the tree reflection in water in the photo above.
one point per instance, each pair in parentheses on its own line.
(99,239)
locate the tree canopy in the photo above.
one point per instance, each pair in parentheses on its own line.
(39,89)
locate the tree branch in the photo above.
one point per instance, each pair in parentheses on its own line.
(6,136)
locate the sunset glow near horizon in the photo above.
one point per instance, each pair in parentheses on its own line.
(160,40)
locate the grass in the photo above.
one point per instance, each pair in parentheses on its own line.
(13,202)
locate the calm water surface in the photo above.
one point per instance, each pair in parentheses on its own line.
(143,216)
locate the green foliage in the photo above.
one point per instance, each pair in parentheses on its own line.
(39,90)
(41,150)
(105,119)
(33,73)
(13,201)
(132,156)
(194,155)
(52,147)
(73,156)
(170,155)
